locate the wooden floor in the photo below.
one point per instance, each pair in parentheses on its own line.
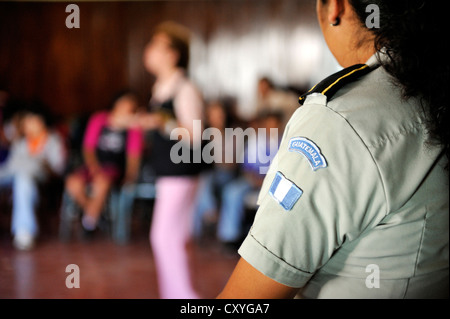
(107,270)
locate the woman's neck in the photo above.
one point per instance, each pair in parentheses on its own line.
(166,84)
(165,75)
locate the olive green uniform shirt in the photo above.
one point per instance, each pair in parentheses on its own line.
(363,207)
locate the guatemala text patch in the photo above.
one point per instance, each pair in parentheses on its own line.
(285,192)
(310,150)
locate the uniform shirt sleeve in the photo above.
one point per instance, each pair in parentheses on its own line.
(338,202)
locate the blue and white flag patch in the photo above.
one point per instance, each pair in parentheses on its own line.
(308,149)
(285,192)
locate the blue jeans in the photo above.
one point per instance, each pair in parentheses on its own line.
(206,201)
(231,219)
(121,205)
(25,197)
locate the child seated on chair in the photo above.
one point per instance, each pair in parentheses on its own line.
(112,148)
(33,160)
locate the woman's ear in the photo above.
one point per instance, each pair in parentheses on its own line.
(334,10)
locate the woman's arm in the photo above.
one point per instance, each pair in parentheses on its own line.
(56,156)
(90,160)
(246,282)
(135,145)
(91,136)
(132,169)
(149,121)
(188,105)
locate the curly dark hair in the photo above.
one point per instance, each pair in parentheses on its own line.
(412,32)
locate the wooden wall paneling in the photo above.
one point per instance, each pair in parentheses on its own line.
(78,70)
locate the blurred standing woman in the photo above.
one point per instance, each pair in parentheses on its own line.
(175,105)
(356,202)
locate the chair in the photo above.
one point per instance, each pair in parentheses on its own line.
(114,220)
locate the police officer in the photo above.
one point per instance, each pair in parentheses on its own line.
(355,205)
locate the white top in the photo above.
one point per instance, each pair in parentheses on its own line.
(188,101)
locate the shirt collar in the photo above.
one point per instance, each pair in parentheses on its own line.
(374,60)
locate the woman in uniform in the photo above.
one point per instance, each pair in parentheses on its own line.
(355,205)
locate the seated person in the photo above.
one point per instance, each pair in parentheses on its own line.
(112,149)
(33,159)
(213,180)
(259,152)
(273,99)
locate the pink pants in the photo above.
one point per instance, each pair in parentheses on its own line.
(169,234)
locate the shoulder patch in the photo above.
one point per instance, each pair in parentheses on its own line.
(308,149)
(333,83)
(285,192)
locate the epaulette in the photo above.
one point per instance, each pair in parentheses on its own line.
(334,82)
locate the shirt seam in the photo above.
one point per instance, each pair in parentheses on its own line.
(402,132)
(278,257)
(422,236)
(367,147)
